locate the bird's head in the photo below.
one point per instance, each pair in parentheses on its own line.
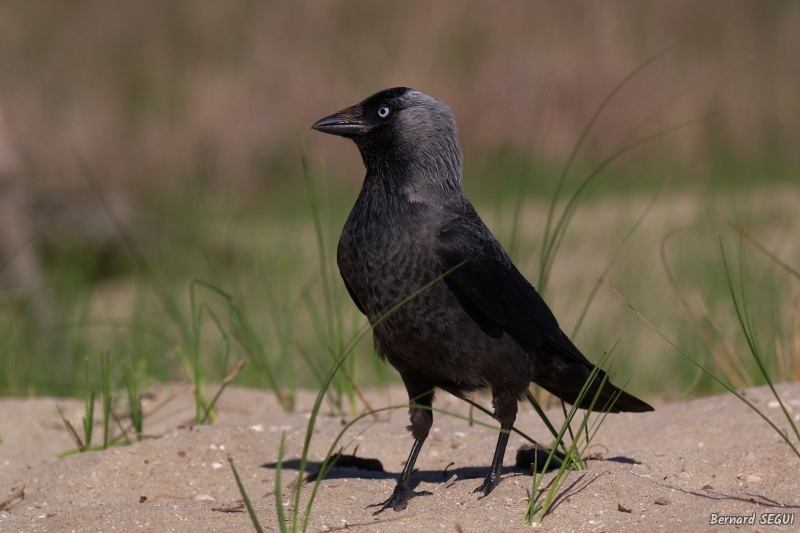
(404,134)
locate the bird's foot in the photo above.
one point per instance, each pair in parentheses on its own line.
(488,485)
(399,498)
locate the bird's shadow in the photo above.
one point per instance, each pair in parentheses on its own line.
(622,460)
(343,466)
(356,471)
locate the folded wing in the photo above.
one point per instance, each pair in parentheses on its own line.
(500,300)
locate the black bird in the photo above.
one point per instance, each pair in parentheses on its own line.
(483,325)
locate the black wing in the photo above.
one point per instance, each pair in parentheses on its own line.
(499,299)
(494,293)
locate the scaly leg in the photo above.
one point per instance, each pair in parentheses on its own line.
(505,410)
(495,470)
(421,422)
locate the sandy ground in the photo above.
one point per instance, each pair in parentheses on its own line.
(663,471)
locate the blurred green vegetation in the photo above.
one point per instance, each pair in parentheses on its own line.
(264,254)
(188,113)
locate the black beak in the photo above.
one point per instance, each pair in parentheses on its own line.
(345,123)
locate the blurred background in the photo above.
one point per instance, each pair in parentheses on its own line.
(145,145)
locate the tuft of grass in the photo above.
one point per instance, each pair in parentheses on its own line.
(204,409)
(748,328)
(576,449)
(190,334)
(85,444)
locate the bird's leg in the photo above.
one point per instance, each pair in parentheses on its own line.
(421,422)
(505,410)
(403,491)
(495,470)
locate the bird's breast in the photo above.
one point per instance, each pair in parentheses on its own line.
(382,264)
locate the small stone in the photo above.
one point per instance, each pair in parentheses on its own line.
(750,478)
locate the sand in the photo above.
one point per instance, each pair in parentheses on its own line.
(663,471)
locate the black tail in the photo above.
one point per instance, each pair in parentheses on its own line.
(611,399)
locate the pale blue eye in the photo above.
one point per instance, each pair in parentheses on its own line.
(384,111)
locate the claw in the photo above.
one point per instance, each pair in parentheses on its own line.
(398,501)
(487,486)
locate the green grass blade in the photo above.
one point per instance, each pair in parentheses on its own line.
(554,243)
(327,464)
(202,407)
(538,408)
(88,417)
(105,378)
(207,417)
(709,373)
(134,399)
(761,248)
(71,429)
(755,351)
(614,257)
(254,349)
(546,244)
(573,452)
(246,498)
(278,485)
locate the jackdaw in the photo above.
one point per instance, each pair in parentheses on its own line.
(480,326)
